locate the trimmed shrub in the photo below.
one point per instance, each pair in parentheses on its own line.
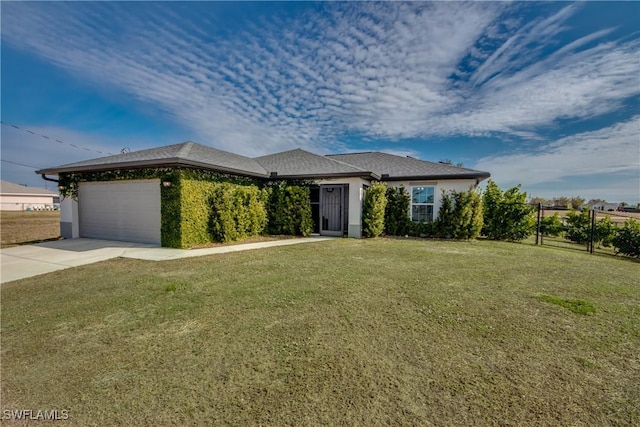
(236,212)
(373,209)
(604,232)
(578,227)
(396,215)
(552,225)
(195,212)
(423,229)
(444,224)
(507,216)
(289,210)
(460,215)
(627,239)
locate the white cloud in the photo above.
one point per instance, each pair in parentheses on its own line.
(377,69)
(614,149)
(294,83)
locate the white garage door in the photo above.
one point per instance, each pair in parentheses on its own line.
(120,210)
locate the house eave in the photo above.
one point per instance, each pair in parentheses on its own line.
(164,163)
(479,176)
(364,175)
(28,194)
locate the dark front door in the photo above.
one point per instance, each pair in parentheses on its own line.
(331,210)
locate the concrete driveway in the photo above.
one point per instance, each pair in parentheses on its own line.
(31,260)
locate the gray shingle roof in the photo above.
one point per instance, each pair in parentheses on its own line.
(398,167)
(300,163)
(185,154)
(8,188)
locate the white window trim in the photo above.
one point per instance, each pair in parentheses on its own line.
(432,204)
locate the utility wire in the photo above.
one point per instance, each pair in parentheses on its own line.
(21,164)
(53,139)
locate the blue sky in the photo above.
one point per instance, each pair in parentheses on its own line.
(546,95)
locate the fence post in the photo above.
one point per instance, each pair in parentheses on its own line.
(538,224)
(593,230)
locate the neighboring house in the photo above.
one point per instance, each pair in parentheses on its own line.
(16,197)
(602,206)
(131,210)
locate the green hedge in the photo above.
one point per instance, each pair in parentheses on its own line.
(507,215)
(220,212)
(236,212)
(195,212)
(627,239)
(289,210)
(170,208)
(552,226)
(397,221)
(460,215)
(201,207)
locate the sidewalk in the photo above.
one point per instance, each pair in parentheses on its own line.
(31,260)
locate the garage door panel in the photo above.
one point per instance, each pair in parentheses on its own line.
(120,210)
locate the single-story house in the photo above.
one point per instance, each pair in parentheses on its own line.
(602,206)
(131,209)
(16,197)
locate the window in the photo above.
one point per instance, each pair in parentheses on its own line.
(422,204)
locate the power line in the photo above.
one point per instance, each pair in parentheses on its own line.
(21,164)
(80,147)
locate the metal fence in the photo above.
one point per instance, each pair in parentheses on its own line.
(589,238)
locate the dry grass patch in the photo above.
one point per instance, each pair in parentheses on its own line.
(28,227)
(346,332)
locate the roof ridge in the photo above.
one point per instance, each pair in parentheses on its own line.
(347,164)
(348,154)
(333,160)
(185,149)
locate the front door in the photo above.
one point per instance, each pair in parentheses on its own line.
(331,210)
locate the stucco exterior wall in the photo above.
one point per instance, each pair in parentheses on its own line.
(69,219)
(440,186)
(26,202)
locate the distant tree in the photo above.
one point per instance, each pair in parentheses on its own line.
(539,200)
(596,201)
(562,202)
(577,202)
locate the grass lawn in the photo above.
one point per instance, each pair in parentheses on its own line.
(345,332)
(28,227)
